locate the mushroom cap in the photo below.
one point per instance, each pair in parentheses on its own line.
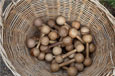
(88,38)
(92,48)
(60,20)
(76,24)
(45,29)
(67,40)
(53,35)
(63,32)
(44,40)
(31,43)
(54,67)
(59,59)
(35,52)
(44,48)
(69,47)
(38,22)
(87,61)
(79,66)
(41,56)
(80,48)
(49,57)
(51,23)
(79,58)
(84,30)
(73,32)
(72,71)
(57,50)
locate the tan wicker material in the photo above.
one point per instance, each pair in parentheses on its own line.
(16,26)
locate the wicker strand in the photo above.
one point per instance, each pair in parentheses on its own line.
(111,17)
(113,68)
(8,8)
(7,62)
(15,2)
(2,51)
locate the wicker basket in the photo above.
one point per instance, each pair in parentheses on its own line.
(16,26)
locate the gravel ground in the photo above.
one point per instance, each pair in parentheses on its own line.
(4,71)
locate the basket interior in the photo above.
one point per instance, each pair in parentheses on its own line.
(18,26)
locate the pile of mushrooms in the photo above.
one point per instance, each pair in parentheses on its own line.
(64,46)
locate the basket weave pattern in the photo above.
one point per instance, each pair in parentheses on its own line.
(16,22)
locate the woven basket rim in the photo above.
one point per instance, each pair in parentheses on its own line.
(3,16)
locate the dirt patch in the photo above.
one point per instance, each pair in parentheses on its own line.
(109,7)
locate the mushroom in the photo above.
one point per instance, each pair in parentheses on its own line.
(75,34)
(62,31)
(79,58)
(66,41)
(38,22)
(91,48)
(45,29)
(45,40)
(52,24)
(41,56)
(79,47)
(44,48)
(57,50)
(55,66)
(53,35)
(31,43)
(35,51)
(88,39)
(60,58)
(84,30)
(62,21)
(49,57)
(79,66)
(77,42)
(72,71)
(69,47)
(76,25)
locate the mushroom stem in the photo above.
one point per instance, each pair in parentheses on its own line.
(55,44)
(51,41)
(75,34)
(69,53)
(66,68)
(66,63)
(80,39)
(60,58)
(38,45)
(87,50)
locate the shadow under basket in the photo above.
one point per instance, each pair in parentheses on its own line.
(18,25)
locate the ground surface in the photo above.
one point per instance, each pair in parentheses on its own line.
(4,71)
